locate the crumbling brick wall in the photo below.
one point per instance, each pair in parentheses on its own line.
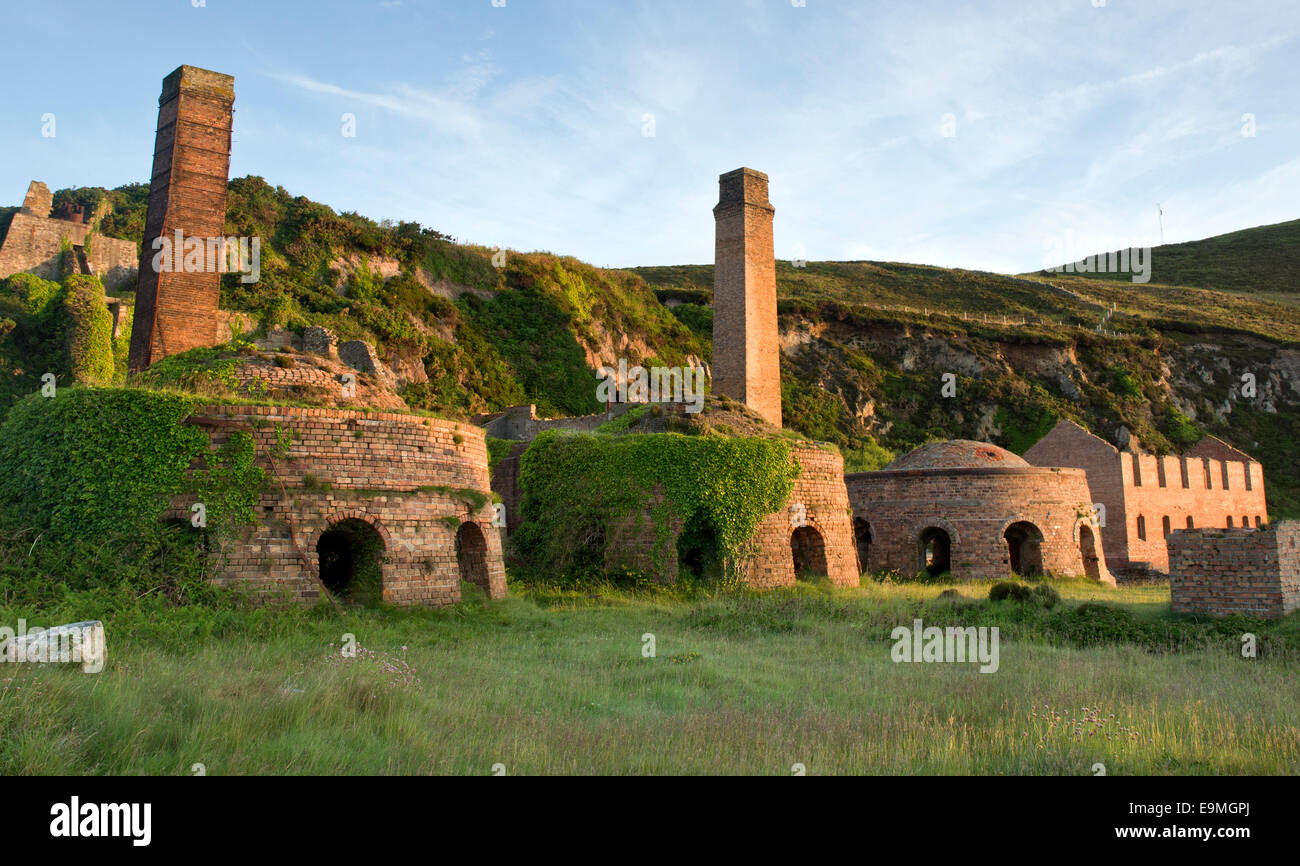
(819,504)
(402,475)
(1226,571)
(34,240)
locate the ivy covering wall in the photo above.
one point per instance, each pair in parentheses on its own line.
(106,464)
(577,488)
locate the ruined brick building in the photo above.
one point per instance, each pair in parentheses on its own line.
(812,535)
(348,492)
(35,238)
(1255,572)
(976,511)
(1145,498)
(410,492)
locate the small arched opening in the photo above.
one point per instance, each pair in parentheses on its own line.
(471,556)
(809,550)
(350,555)
(862,536)
(1025,546)
(1088,551)
(185,547)
(697,552)
(935,551)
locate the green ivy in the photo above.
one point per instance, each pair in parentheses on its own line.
(106,464)
(89,330)
(578,488)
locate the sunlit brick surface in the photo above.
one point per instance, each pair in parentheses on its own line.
(176,311)
(1225,571)
(372,464)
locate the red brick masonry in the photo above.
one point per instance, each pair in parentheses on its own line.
(1147,497)
(973,493)
(374,464)
(1223,571)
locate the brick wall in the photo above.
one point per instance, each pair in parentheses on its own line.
(176,311)
(746,354)
(975,507)
(374,465)
(820,501)
(1225,571)
(822,511)
(1142,492)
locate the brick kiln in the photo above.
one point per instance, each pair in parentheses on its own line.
(977,511)
(411,491)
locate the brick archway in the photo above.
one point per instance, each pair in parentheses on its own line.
(345,534)
(471,555)
(1088,550)
(808,548)
(864,535)
(334,517)
(1024,547)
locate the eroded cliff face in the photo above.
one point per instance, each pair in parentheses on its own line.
(889,381)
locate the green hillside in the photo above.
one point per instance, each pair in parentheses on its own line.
(866,344)
(1263,259)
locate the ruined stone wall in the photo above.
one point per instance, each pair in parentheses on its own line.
(505,484)
(175,310)
(975,507)
(401,474)
(520,423)
(746,352)
(1226,571)
(34,244)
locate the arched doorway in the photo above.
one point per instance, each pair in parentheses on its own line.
(1088,550)
(862,536)
(809,549)
(697,552)
(935,547)
(184,546)
(471,555)
(349,555)
(1025,546)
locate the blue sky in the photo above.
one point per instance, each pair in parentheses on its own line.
(524,126)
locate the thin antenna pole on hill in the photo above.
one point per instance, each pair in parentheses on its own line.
(1160,211)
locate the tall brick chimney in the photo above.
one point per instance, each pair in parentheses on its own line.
(746,353)
(177,311)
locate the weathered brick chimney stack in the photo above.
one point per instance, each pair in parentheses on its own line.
(177,311)
(746,354)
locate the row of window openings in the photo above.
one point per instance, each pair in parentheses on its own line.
(1191,524)
(1209,478)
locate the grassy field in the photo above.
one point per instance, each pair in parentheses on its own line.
(551,681)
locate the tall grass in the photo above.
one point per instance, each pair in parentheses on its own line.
(554,681)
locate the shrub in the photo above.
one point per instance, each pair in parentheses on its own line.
(1009,590)
(89,334)
(1046,596)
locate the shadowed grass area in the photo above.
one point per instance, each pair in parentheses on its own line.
(554,681)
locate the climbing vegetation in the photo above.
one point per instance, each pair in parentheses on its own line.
(580,489)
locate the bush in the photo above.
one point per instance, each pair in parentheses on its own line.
(1009,590)
(1046,596)
(89,334)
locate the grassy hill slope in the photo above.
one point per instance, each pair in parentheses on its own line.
(866,345)
(1263,259)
